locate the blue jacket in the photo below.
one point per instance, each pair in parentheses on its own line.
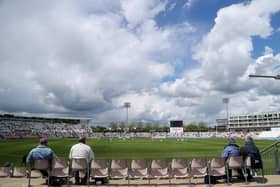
(40,153)
(230,150)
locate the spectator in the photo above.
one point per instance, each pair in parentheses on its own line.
(231,149)
(41,152)
(81,150)
(249,149)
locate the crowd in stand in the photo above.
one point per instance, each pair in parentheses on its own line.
(22,129)
(34,129)
(27,129)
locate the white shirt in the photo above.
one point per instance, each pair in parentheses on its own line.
(81,150)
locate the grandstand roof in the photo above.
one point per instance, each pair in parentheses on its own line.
(40,117)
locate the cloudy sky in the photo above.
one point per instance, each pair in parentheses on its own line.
(169,59)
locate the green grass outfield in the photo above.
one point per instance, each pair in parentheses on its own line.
(13,150)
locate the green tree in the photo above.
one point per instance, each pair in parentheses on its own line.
(113,126)
(98,129)
(156,127)
(148,127)
(122,126)
(131,127)
(140,127)
(192,127)
(165,128)
(202,126)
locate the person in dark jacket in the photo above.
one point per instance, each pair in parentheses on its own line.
(250,149)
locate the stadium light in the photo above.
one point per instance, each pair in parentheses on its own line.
(127,105)
(226,101)
(276,77)
(265,76)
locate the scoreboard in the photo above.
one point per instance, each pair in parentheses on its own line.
(176,127)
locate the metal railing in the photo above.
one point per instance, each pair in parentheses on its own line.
(270,158)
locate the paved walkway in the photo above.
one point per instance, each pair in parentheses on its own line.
(270,181)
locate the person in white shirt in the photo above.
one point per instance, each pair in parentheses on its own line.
(81,150)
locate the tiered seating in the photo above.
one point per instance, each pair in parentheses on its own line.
(236,163)
(119,170)
(29,129)
(251,165)
(179,168)
(34,170)
(60,169)
(99,169)
(159,169)
(129,170)
(13,172)
(19,172)
(5,172)
(217,167)
(80,165)
(139,170)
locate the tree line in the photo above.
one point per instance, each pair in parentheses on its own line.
(148,127)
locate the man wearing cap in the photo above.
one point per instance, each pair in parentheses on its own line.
(41,152)
(81,150)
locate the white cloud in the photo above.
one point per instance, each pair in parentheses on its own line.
(225,57)
(268,50)
(193,85)
(84,58)
(268,64)
(225,53)
(149,105)
(137,12)
(226,60)
(66,57)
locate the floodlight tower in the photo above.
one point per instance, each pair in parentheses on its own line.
(226,101)
(276,77)
(127,105)
(265,76)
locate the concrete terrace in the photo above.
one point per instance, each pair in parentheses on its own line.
(270,181)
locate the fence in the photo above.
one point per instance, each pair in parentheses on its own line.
(270,158)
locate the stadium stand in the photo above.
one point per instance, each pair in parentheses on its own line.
(19,127)
(30,127)
(274,133)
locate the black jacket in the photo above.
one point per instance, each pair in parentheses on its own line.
(249,149)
